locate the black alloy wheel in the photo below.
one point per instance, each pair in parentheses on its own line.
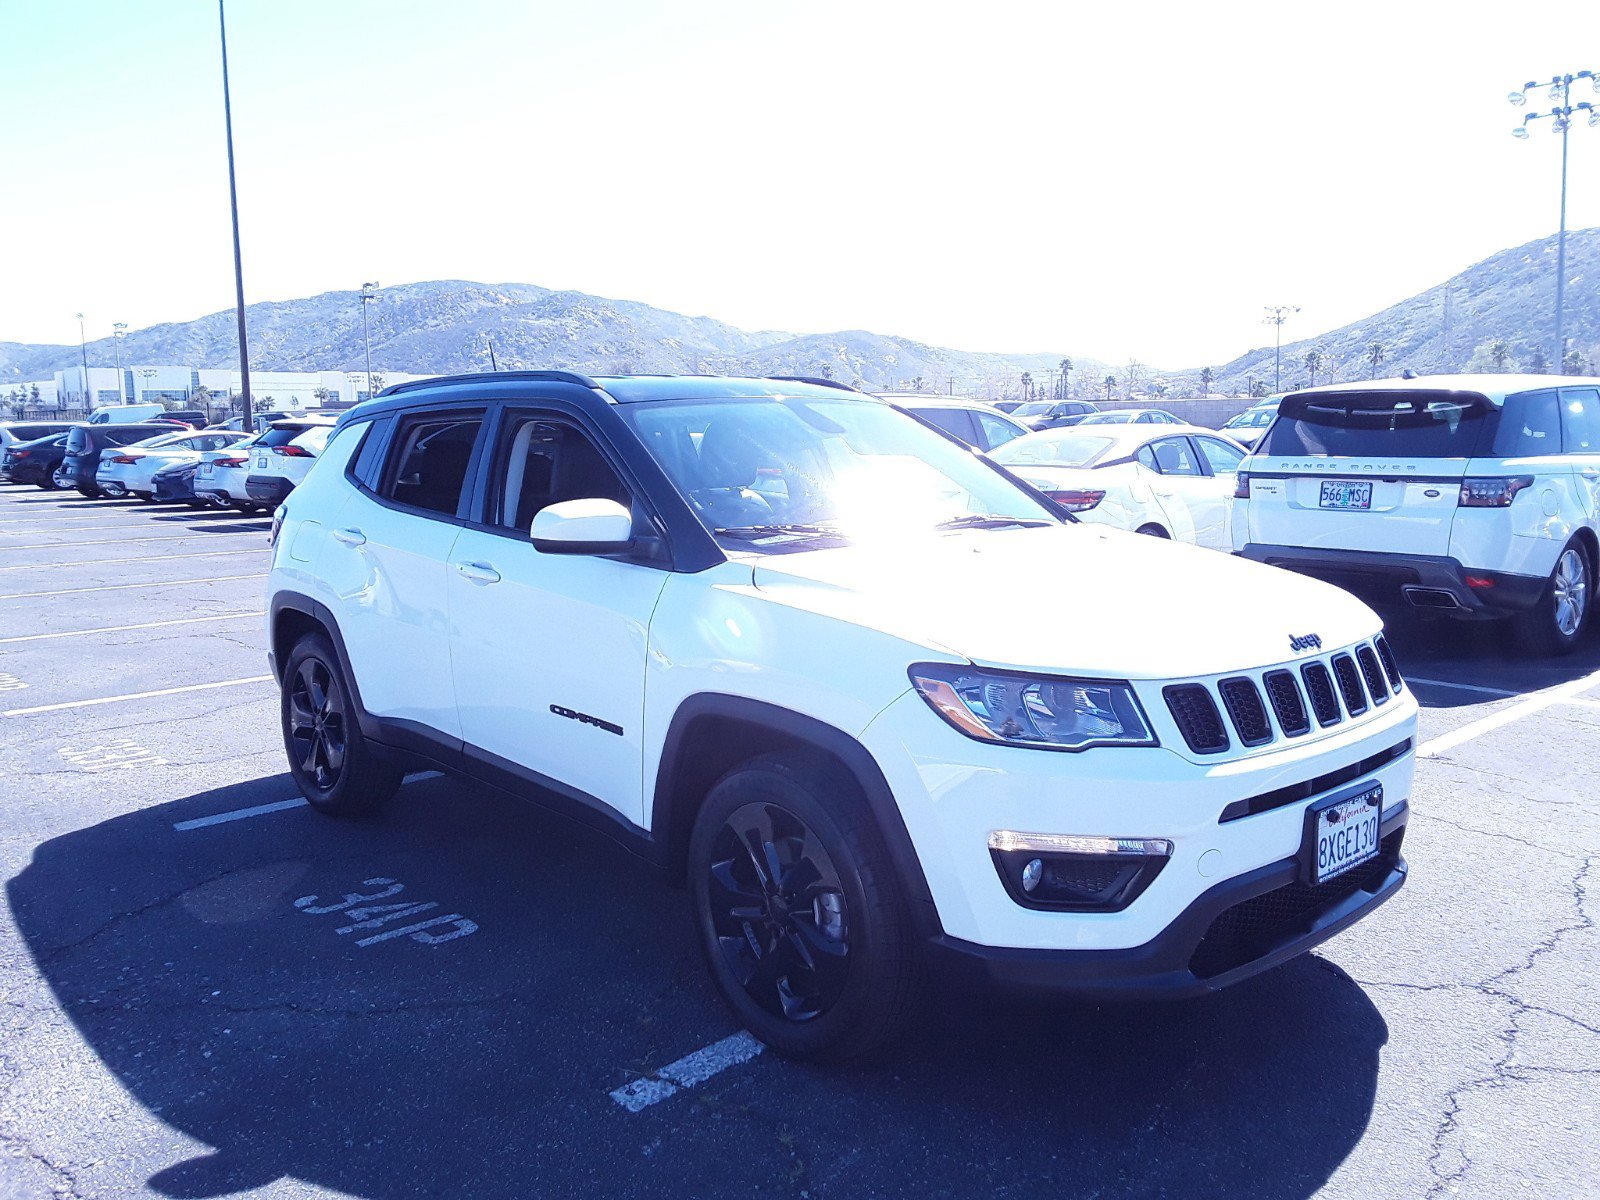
(779,911)
(317,723)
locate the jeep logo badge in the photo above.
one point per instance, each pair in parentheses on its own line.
(1309,641)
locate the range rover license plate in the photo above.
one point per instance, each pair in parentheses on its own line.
(1337,493)
(1342,833)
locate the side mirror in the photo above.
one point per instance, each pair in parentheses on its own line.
(582,527)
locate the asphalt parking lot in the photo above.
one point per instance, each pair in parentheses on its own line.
(206,989)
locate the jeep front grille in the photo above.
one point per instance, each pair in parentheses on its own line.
(1263,708)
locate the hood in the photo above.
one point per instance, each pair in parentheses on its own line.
(1077,599)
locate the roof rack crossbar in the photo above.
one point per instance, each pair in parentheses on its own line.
(831,383)
(491,377)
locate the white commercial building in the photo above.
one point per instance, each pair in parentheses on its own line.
(183,386)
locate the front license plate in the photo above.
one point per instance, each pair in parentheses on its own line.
(1338,494)
(1343,833)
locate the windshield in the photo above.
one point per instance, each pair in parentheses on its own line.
(1380,424)
(753,468)
(1053,449)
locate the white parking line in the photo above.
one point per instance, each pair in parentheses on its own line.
(133,525)
(166,537)
(41,637)
(124,587)
(688,1071)
(192,687)
(261,810)
(1537,702)
(106,562)
(1462,687)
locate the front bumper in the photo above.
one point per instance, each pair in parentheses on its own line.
(268,489)
(1436,583)
(1237,929)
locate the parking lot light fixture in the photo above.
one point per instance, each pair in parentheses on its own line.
(1560,116)
(369,293)
(1277,314)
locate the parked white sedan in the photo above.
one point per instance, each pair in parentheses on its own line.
(128,470)
(1172,481)
(221,476)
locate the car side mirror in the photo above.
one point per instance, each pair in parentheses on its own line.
(592,526)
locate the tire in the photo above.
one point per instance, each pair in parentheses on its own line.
(817,957)
(47,481)
(337,770)
(1154,531)
(1556,624)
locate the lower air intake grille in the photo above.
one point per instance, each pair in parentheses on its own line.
(1373,674)
(1245,708)
(1290,709)
(1344,669)
(1198,720)
(1319,686)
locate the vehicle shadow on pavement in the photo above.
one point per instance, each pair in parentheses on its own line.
(254,986)
(1482,653)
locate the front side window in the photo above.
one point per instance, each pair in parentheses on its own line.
(428,461)
(1222,458)
(855,468)
(1580,420)
(545,461)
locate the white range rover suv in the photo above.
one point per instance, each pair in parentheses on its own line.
(747,627)
(1474,496)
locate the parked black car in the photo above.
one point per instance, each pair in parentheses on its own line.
(84,443)
(175,484)
(34,462)
(13,433)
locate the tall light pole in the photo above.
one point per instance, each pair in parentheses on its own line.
(369,293)
(1277,314)
(119,330)
(83,352)
(148,373)
(246,409)
(1562,110)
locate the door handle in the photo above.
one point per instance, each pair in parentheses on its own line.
(477,572)
(1591,476)
(350,537)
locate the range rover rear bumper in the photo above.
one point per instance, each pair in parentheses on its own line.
(1241,927)
(1433,582)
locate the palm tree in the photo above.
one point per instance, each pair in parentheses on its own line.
(1313,361)
(1206,376)
(1066,369)
(916,384)
(1027,385)
(1111,385)
(1499,352)
(1375,356)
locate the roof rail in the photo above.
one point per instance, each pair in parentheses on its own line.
(492,377)
(832,383)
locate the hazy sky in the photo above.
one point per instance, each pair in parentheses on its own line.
(1106,180)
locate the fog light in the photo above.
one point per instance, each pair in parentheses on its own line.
(1031,874)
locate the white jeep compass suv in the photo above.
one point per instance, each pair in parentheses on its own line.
(1473,496)
(746,626)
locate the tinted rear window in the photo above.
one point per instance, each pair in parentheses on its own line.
(1380,424)
(283,436)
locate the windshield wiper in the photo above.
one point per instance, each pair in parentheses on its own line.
(756,531)
(988,521)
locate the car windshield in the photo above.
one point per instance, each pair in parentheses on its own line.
(791,465)
(1053,449)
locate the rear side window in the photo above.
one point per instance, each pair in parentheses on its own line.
(1580,420)
(1530,425)
(1172,456)
(954,421)
(997,432)
(1380,424)
(428,460)
(1221,457)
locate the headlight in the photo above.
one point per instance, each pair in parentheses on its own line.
(1022,710)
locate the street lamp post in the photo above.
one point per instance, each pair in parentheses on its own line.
(1277,314)
(369,293)
(119,330)
(1562,110)
(83,352)
(233,203)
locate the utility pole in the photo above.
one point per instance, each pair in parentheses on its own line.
(369,293)
(83,352)
(1562,110)
(247,409)
(1277,314)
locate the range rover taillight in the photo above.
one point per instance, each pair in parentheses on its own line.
(1241,485)
(1492,493)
